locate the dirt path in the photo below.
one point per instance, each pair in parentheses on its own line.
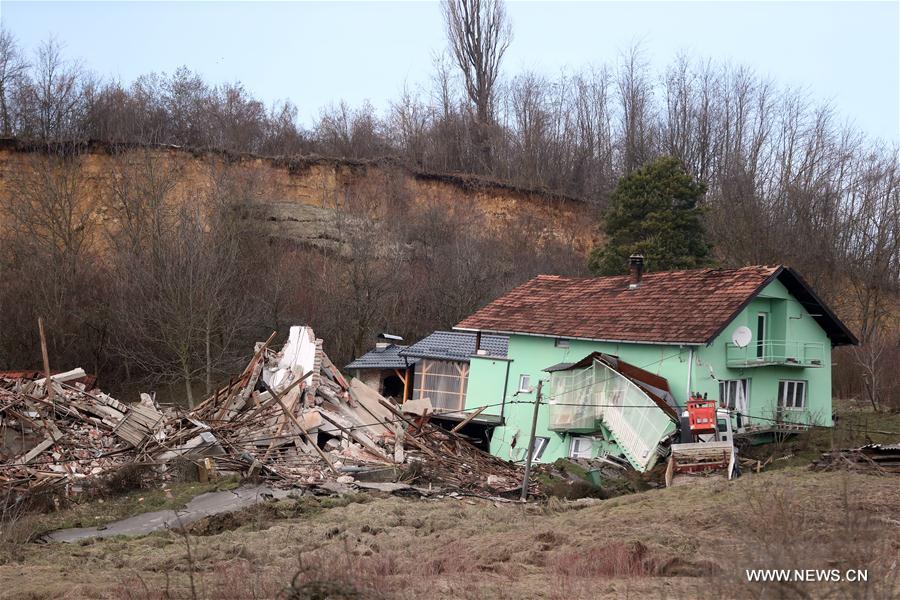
(204,505)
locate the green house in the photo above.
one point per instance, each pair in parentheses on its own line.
(757,339)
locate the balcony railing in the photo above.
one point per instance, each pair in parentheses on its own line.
(779,420)
(776,352)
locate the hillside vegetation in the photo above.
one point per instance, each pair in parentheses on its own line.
(787,181)
(166,265)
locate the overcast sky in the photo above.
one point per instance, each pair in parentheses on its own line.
(316,53)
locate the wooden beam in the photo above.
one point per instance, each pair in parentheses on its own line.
(399,455)
(299,425)
(48,383)
(466,421)
(363,440)
(403,418)
(213,400)
(406,384)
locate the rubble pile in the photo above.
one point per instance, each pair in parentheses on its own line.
(291,415)
(66,433)
(290,418)
(873,458)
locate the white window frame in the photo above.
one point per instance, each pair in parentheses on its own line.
(540,444)
(525,383)
(792,385)
(726,386)
(561,343)
(575,440)
(762,339)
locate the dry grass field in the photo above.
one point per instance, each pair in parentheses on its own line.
(684,542)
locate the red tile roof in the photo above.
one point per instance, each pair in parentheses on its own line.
(688,307)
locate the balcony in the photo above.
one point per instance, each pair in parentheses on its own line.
(776,353)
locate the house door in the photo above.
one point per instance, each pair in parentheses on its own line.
(735,394)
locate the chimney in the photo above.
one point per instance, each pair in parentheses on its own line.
(636,267)
(385,340)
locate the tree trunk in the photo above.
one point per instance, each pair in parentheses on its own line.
(4,114)
(870,384)
(208,363)
(187,384)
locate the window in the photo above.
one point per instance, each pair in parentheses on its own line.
(540,444)
(561,343)
(761,336)
(525,384)
(581,447)
(443,382)
(722,427)
(735,394)
(792,394)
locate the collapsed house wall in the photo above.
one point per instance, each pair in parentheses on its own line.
(532,354)
(583,398)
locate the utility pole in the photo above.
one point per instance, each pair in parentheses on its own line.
(537,405)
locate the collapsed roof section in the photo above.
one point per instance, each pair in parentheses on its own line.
(634,405)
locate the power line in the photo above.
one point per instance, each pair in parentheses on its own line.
(645,406)
(550,402)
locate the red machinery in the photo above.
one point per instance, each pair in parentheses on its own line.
(701,415)
(711,455)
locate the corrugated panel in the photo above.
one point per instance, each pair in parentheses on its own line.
(634,419)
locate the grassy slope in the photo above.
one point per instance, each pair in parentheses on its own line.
(393,547)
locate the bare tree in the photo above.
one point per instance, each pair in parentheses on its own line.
(352,133)
(182,296)
(187,100)
(479,33)
(12,68)
(282,134)
(140,192)
(409,124)
(57,94)
(51,265)
(238,122)
(636,98)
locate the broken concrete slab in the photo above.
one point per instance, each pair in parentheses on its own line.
(398,489)
(420,407)
(204,505)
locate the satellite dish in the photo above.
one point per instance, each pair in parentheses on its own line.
(742,336)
